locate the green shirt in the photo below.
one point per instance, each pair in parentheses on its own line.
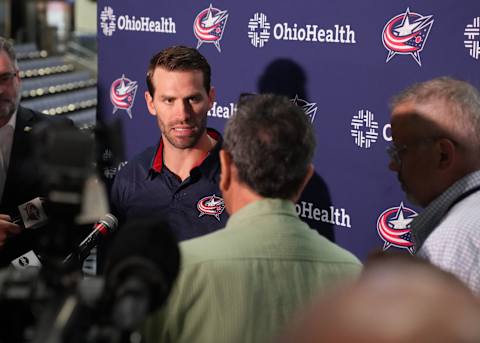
(244,283)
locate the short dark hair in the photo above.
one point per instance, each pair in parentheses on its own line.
(179,58)
(7,46)
(271,142)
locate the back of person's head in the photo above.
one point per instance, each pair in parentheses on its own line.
(7,47)
(462,99)
(271,143)
(179,58)
(396,300)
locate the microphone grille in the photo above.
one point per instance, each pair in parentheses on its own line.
(110,221)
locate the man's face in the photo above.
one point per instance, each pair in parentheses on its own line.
(9,87)
(415,149)
(180,104)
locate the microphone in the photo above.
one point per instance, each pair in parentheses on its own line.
(102,228)
(26,261)
(32,214)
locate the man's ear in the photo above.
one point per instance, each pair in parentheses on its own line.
(17,76)
(211,97)
(226,170)
(150,106)
(446,151)
(306,179)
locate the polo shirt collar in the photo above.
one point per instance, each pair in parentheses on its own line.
(207,165)
(261,207)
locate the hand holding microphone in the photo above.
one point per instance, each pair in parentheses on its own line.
(102,229)
(7,228)
(30,215)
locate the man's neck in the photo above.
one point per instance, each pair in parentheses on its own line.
(182,161)
(242,198)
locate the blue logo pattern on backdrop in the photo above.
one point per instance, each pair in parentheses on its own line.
(341,61)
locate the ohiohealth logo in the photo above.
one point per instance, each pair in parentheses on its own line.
(122,94)
(209,26)
(258,30)
(109,23)
(364,128)
(393,227)
(220,111)
(472,42)
(406,34)
(310,108)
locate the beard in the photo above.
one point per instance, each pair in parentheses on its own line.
(8,105)
(187,141)
(410,197)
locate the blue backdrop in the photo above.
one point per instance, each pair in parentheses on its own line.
(340,60)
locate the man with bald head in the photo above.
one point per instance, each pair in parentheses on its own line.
(436,154)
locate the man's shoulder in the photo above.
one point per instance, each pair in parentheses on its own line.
(214,246)
(29,117)
(458,227)
(233,244)
(28,113)
(318,248)
(201,245)
(462,217)
(335,253)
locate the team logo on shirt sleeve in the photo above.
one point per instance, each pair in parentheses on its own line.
(211,205)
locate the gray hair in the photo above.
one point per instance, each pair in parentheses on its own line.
(271,142)
(461,96)
(7,46)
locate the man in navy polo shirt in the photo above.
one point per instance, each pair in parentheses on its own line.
(178,179)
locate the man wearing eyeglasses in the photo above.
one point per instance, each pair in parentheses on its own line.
(9,101)
(436,154)
(18,182)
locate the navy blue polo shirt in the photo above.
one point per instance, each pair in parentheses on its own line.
(146,188)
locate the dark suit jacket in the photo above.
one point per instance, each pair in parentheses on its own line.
(23,182)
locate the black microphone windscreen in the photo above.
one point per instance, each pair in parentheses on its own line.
(145,248)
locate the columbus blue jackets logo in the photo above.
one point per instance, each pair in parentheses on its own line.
(212,206)
(310,108)
(406,34)
(122,94)
(209,26)
(393,226)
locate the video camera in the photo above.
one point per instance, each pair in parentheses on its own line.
(56,303)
